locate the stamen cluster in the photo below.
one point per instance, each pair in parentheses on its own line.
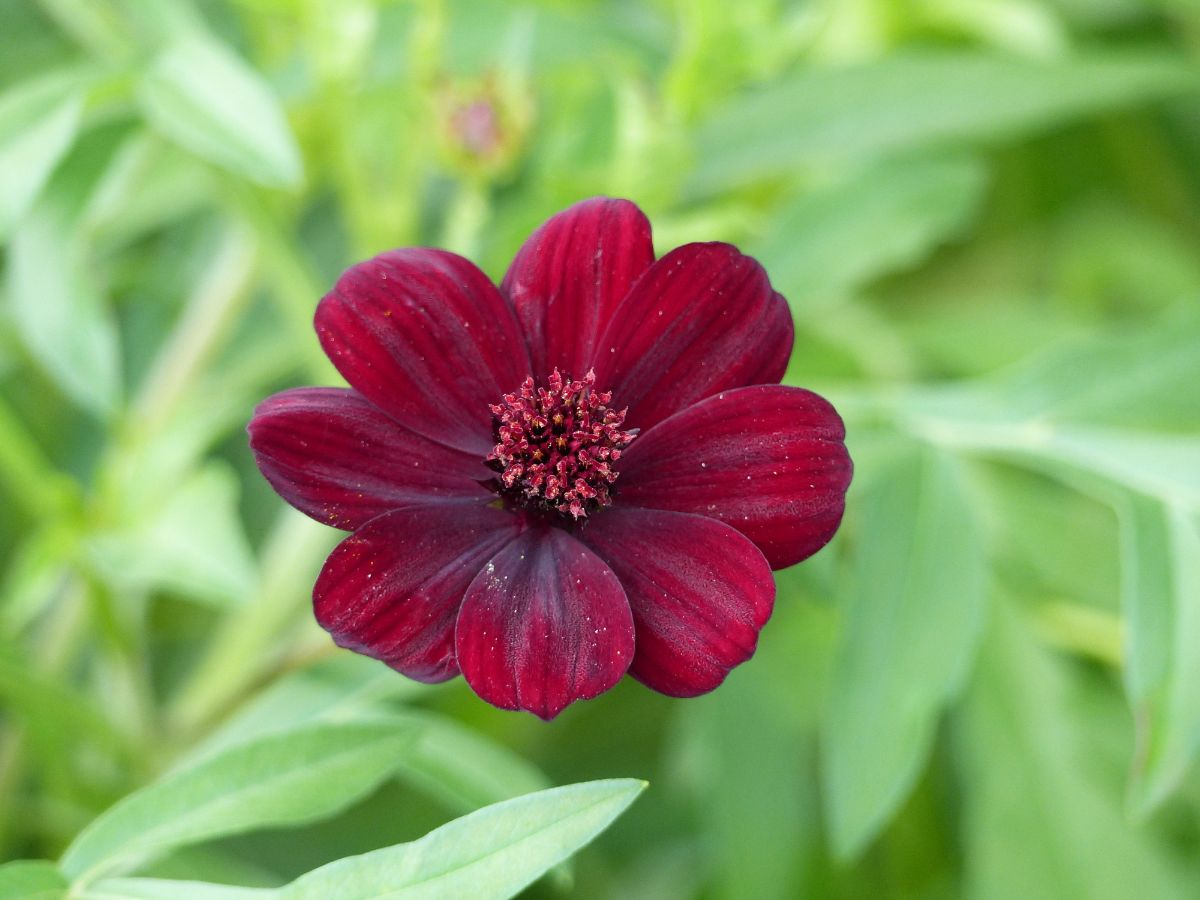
(555,445)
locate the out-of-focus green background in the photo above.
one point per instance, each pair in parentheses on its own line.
(986,217)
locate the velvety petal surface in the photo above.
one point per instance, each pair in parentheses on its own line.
(392,589)
(699,590)
(703,319)
(544,624)
(334,456)
(768,460)
(426,337)
(571,274)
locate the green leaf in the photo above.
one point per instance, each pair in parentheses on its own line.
(912,620)
(345,688)
(829,115)
(749,756)
(285,779)
(205,98)
(1160,563)
(831,240)
(38,123)
(492,853)
(31,880)
(57,299)
(1042,819)
(456,765)
(193,544)
(463,768)
(1136,379)
(167,889)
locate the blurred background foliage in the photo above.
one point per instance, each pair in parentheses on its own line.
(985,214)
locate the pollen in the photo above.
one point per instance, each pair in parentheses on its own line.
(556,445)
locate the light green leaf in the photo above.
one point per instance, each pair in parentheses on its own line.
(345,688)
(831,240)
(749,755)
(1160,563)
(201,95)
(463,768)
(31,880)
(193,544)
(38,123)
(1042,817)
(829,115)
(1136,379)
(285,779)
(912,620)
(492,853)
(167,889)
(58,303)
(456,765)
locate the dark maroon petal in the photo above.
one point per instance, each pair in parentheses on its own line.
(334,456)
(393,588)
(768,460)
(703,319)
(544,624)
(569,277)
(426,337)
(700,593)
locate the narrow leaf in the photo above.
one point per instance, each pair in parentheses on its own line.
(283,779)
(201,95)
(829,115)
(492,853)
(167,889)
(912,620)
(1042,818)
(38,123)
(32,880)
(830,240)
(58,305)
(1160,568)
(193,544)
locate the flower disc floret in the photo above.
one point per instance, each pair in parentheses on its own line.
(556,445)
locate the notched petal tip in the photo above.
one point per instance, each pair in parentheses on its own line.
(392,590)
(546,623)
(700,594)
(425,336)
(570,275)
(770,461)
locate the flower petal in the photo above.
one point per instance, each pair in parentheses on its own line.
(570,275)
(700,593)
(426,337)
(768,460)
(334,456)
(392,589)
(703,319)
(545,623)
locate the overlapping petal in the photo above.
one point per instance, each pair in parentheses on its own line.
(768,460)
(545,623)
(571,274)
(334,456)
(392,589)
(703,319)
(699,590)
(426,337)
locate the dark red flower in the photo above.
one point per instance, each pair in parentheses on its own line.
(588,471)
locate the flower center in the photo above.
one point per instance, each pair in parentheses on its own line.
(555,445)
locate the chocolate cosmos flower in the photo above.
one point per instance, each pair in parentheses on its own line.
(588,471)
